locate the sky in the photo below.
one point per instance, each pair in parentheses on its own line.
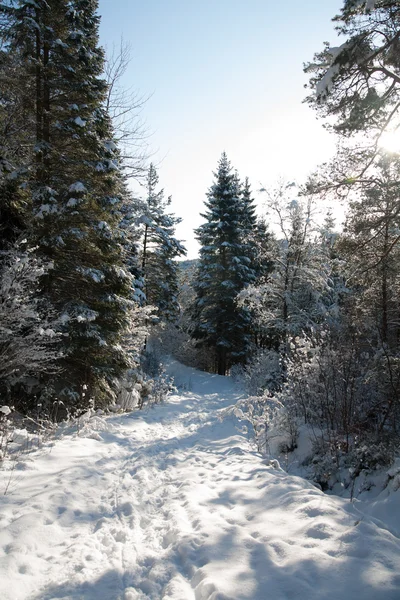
(223,75)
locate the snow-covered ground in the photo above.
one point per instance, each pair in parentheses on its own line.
(172,503)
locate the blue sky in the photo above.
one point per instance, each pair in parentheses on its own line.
(223,75)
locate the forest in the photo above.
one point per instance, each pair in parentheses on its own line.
(219,428)
(94,290)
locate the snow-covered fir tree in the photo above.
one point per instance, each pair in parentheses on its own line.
(255,236)
(159,250)
(225,269)
(75,191)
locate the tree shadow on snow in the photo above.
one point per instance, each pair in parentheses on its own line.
(109,586)
(281,567)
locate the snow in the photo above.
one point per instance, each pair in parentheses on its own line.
(78,186)
(121,273)
(173,503)
(95,274)
(110,146)
(80,122)
(48,332)
(369,4)
(76,34)
(46,209)
(5,410)
(112,165)
(86,315)
(325,85)
(60,43)
(103,226)
(72,202)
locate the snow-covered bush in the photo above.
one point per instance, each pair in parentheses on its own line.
(138,389)
(156,385)
(28,341)
(146,383)
(262,373)
(343,399)
(128,395)
(5,430)
(264,414)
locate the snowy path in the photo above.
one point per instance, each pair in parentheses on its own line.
(172,504)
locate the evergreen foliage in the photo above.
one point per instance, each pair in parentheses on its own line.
(159,250)
(370,242)
(74,189)
(254,232)
(225,269)
(359,82)
(356,88)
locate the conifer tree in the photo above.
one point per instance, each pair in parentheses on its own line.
(358,82)
(370,242)
(255,235)
(159,250)
(225,269)
(75,189)
(357,85)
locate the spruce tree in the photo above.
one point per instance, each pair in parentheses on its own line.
(255,235)
(225,269)
(75,191)
(258,247)
(160,248)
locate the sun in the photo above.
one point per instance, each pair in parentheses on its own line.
(390,141)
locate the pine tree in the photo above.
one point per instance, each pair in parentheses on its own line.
(75,190)
(253,231)
(160,248)
(357,85)
(225,269)
(358,82)
(371,244)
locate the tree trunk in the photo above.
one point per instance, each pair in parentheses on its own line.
(39,96)
(385,300)
(221,361)
(46,109)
